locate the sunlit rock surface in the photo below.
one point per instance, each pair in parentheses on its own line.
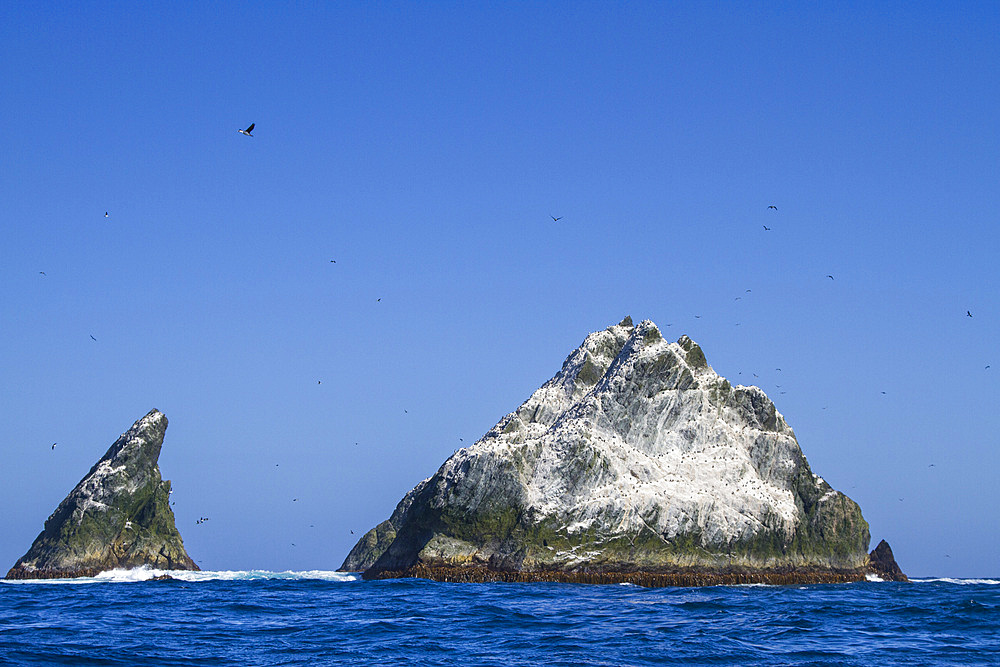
(118,516)
(636,462)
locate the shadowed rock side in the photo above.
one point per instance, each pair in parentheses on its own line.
(118,516)
(636,462)
(883,564)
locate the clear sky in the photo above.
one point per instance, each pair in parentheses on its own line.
(425,147)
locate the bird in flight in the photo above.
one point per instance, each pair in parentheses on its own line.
(105,214)
(378,300)
(773,206)
(248,130)
(766,228)
(92,338)
(42,272)
(555,219)
(969,313)
(333,261)
(987,367)
(829,276)
(54,445)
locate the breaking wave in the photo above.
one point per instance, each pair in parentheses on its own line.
(147,573)
(960,582)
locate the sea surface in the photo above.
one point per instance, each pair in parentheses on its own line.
(330,618)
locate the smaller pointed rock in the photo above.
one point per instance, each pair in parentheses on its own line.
(118,516)
(883,564)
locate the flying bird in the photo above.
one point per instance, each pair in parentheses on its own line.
(333,261)
(248,130)
(773,206)
(829,276)
(969,313)
(54,445)
(42,272)
(987,367)
(92,338)
(555,219)
(766,228)
(105,214)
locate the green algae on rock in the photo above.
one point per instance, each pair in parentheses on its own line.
(635,463)
(118,516)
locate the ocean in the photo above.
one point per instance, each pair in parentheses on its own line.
(331,618)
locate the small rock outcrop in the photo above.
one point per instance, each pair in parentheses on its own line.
(883,564)
(118,516)
(635,463)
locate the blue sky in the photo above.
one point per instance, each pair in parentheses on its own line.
(425,147)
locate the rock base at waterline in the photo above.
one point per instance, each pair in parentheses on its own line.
(647,579)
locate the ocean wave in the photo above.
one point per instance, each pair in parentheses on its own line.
(147,573)
(960,582)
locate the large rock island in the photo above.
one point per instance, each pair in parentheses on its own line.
(118,516)
(635,463)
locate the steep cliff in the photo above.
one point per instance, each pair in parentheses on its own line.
(118,516)
(636,462)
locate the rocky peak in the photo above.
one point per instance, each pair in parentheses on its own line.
(117,516)
(639,454)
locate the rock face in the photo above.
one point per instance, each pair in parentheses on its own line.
(636,462)
(118,516)
(882,563)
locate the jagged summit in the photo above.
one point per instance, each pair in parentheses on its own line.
(117,516)
(635,458)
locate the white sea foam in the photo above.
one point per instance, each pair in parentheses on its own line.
(147,573)
(960,582)
(873,577)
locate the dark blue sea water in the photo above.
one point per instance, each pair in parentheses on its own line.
(322,618)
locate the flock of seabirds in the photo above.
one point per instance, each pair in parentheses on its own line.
(247,132)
